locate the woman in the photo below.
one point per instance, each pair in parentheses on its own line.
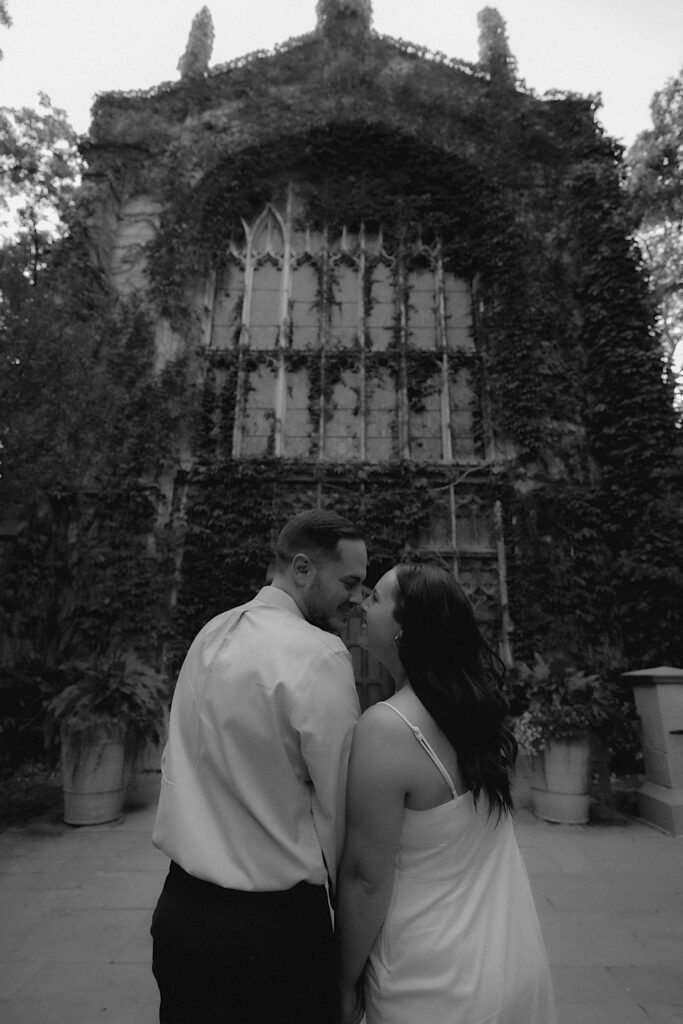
(435,916)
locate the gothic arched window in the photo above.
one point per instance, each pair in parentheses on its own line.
(345,348)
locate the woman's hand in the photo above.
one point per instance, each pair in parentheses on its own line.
(352,1009)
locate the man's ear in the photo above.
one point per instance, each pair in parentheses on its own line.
(302,568)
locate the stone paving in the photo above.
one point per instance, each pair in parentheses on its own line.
(76,907)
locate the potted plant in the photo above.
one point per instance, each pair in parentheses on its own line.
(109,710)
(145,775)
(563,707)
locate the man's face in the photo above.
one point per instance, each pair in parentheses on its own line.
(335,587)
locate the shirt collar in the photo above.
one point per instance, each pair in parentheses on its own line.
(277,598)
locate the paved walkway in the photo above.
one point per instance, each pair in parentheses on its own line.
(75,907)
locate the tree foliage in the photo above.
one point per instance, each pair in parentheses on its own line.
(42,373)
(4,17)
(655,183)
(85,425)
(40,169)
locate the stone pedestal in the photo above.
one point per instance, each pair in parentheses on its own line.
(658,694)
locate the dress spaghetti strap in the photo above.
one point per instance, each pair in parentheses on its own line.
(426,747)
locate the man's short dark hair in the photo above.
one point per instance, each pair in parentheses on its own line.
(315,533)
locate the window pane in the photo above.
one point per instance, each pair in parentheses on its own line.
(474,527)
(437,535)
(298,425)
(381,429)
(421,310)
(458,313)
(259,416)
(462,427)
(425,420)
(341,419)
(305,306)
(345,308)
(265,306)
(382,311)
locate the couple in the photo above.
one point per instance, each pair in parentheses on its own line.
(265,762)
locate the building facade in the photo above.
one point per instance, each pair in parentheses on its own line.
(370,264)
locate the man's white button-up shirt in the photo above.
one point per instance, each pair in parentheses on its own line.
(254,771)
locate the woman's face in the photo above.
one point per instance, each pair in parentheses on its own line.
(379,625)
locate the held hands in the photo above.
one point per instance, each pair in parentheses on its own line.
(351,1002)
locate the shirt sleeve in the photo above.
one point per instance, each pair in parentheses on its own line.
(329,714)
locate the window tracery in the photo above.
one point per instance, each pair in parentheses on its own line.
(332,335)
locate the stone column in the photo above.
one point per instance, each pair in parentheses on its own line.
(658,694)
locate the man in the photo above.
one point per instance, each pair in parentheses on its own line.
(253,789)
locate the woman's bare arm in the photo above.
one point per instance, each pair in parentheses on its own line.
(375,807)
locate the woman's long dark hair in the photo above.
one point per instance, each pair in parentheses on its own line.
(457,677)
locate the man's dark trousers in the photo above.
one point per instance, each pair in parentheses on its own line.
(222,956)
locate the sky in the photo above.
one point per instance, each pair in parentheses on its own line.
(624,50)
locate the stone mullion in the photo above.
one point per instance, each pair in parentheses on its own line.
(491,453)
(402,298)
(243,347)
(361,343)
(325,328)
(454,526)
(505,623)
(282,335)
(446,433)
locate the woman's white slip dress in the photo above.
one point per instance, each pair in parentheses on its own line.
(461,942)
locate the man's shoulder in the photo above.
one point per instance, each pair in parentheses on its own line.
(224,618)
(280,612)
(282,624)
(312,653)
(315,640)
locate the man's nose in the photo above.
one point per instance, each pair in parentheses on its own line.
(356,595)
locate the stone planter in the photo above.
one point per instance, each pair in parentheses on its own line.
(559,782)
(658,695)
(145,777)
(95,776)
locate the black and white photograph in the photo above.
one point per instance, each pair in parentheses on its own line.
(341,512)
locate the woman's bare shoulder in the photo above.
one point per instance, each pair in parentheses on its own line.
(379,724)
(378,754)
(380,716)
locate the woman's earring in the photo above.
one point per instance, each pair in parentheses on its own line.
(397,640)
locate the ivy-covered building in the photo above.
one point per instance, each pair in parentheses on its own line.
(382,280)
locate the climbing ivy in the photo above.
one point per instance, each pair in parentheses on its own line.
(237,507)
(565,351)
